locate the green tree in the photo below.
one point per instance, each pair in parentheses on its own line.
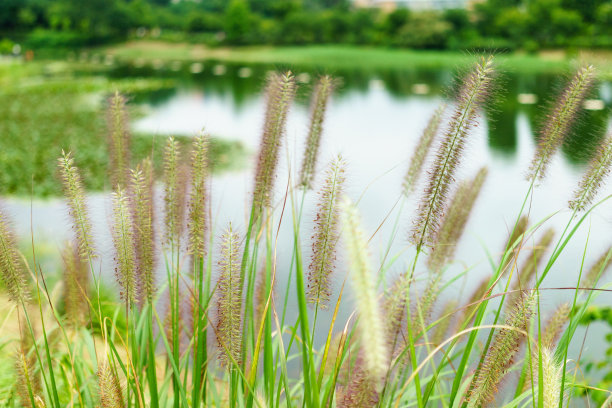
(238,22)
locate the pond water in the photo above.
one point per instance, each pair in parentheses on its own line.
(374,121)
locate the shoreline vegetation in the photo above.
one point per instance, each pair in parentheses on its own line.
(47,106)
(348,57)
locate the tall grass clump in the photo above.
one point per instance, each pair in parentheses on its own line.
(295,311)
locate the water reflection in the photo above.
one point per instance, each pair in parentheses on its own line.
(517,94)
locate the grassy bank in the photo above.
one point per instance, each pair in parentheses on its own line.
(47,107)
(348,57)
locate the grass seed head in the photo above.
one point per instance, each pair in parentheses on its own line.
(229,301)
(560,120)
(371,326)
(322,93)
(455,220)
(280,92)
(422,149)
(326,234)
(118,140)
(75,196)
(595,176)
(123,240)
(472,96)
(143,228)
(198,196)
(500,356)
(109,388)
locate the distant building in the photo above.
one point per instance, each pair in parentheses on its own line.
(390,5)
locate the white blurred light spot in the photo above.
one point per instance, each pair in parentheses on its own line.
(594,104)
(196,68)
(420,89)
(527,98)
(376,84)
(219,69)
(245,72)
(303,78)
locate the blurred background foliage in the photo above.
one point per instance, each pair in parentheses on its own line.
(481,25)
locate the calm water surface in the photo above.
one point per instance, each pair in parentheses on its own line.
(374,121)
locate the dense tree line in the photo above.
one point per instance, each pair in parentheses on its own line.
(500,24)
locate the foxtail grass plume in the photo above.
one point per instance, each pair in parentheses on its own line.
(143,228)
(322,93)
(500,355)
(454,221)
(280,92)
(598,269)
(473,94)
(123,240)
(559,122)
(554,325)
(75,195)
(360,392)
(531,264)
(518,230)
(590,184)
(552,375)
(229,301)
(422,148)
(198,196)
(109,388)
(394,304)
(28,384)
(326,235)
(118,140)
(370,319)
(173,192)
(11,265)
(76,284)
